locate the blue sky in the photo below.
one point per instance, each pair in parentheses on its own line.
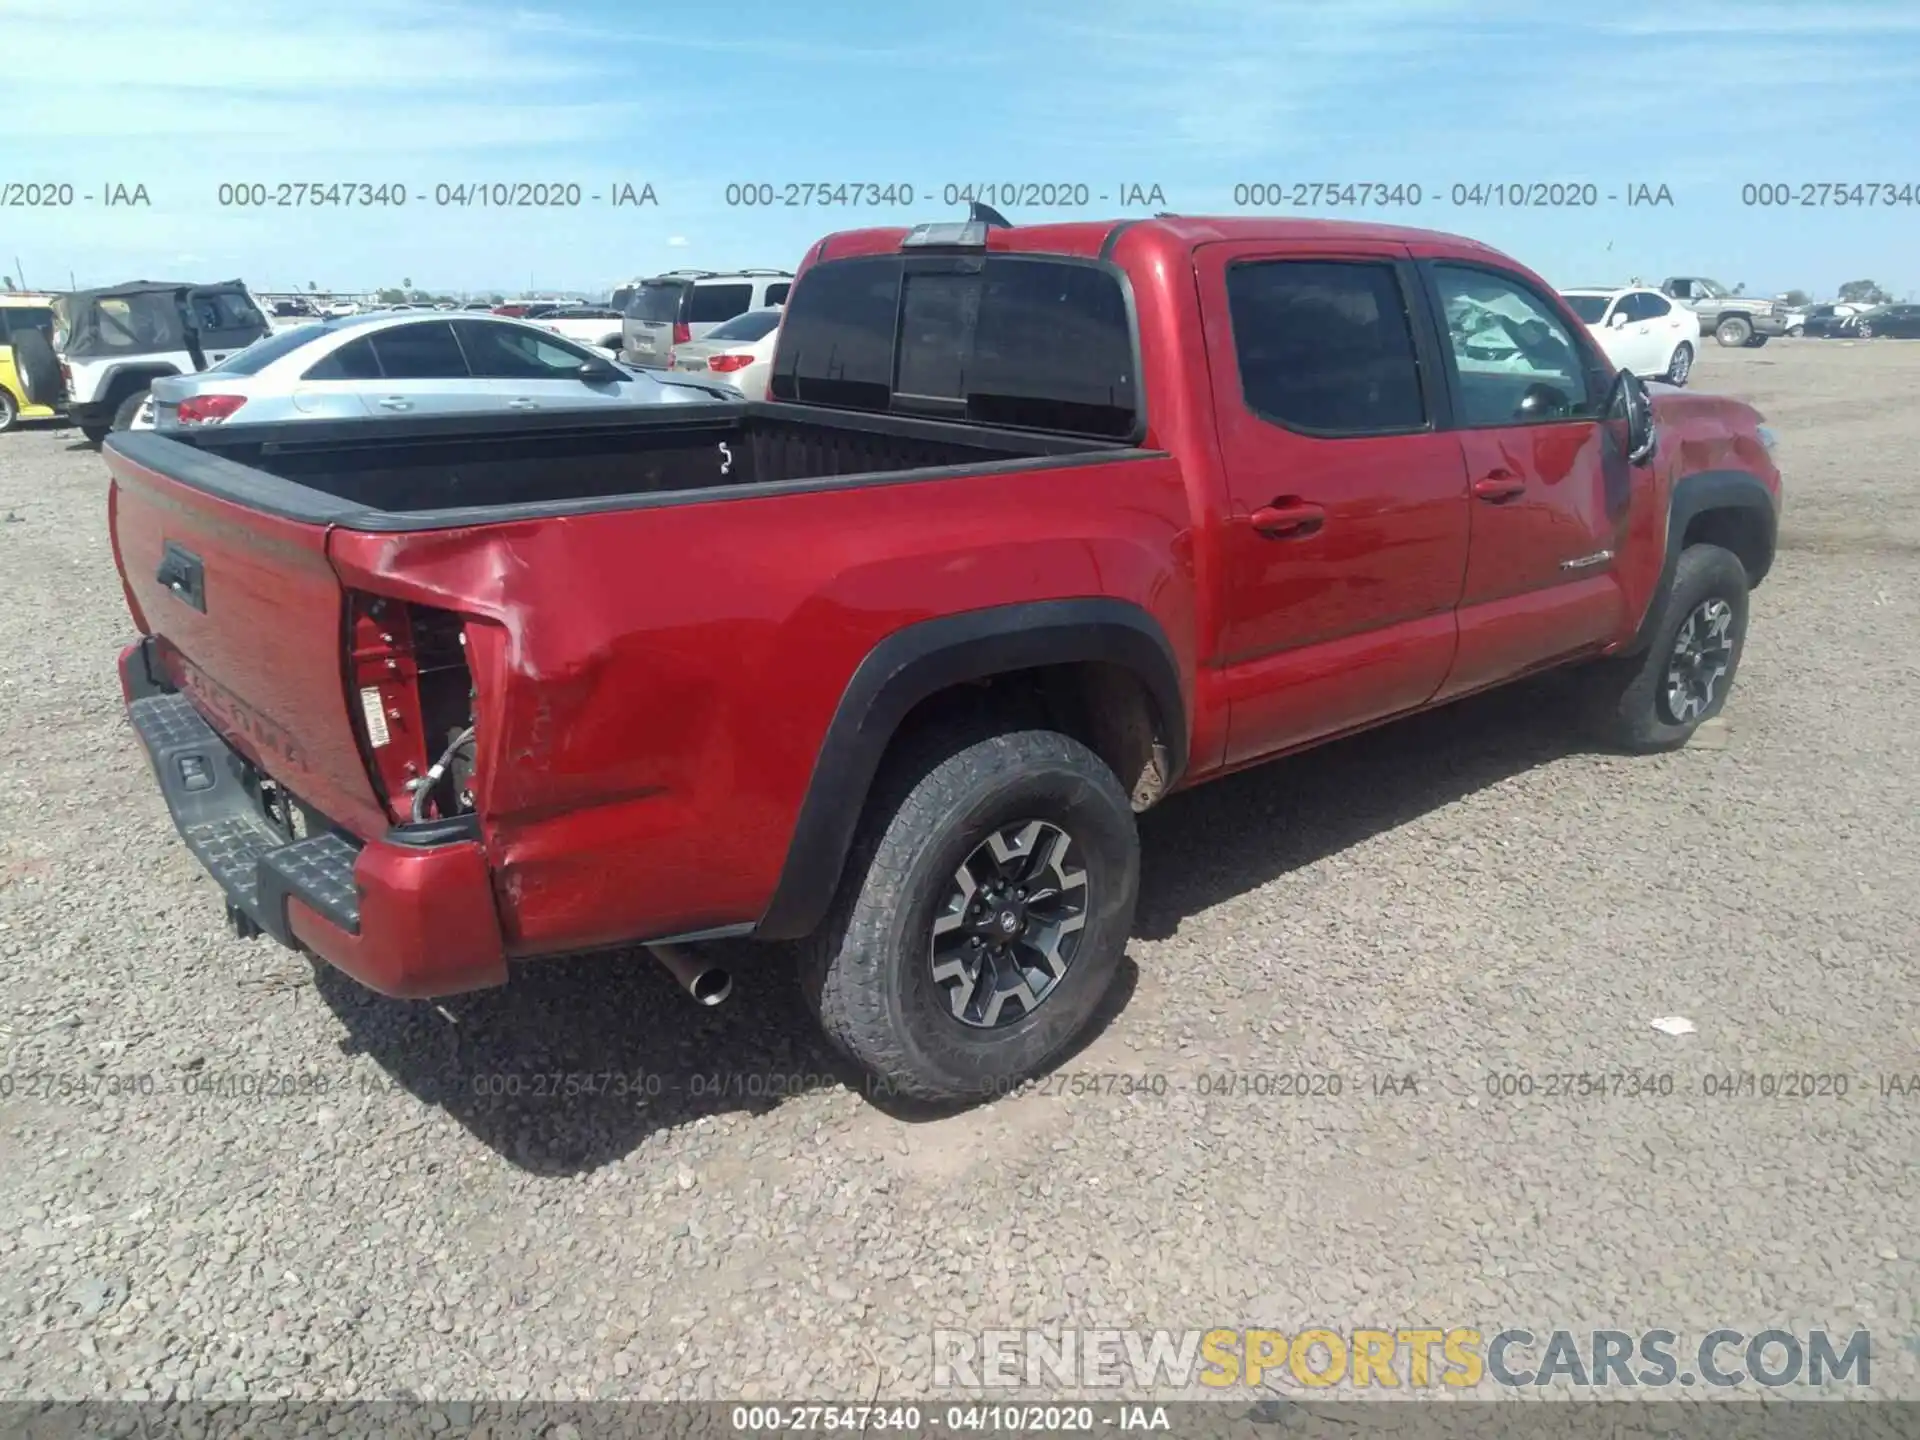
(1193,95)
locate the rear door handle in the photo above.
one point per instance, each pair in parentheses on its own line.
(521,402)
(1499,487)
(1288,519)
(395,402)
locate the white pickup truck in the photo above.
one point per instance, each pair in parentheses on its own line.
(589,325)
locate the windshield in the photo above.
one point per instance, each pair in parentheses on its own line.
(262,353)
(657,302)
(1590,308)
(754,325)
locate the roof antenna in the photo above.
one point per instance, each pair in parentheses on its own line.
(987,215)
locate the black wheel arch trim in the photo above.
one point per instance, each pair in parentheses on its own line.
(923,659)
(1693,495)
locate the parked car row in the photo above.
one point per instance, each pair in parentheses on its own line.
(100,358)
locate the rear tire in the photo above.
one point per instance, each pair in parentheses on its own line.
(124,412)
(96,434)
(1654,701)
(920,987)
(1733,331)
(9,412)
(1797,332)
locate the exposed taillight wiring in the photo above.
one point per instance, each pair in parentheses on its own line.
(413,700)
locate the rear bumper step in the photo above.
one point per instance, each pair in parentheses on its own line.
(409,920)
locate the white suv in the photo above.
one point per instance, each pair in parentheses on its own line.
(683,305)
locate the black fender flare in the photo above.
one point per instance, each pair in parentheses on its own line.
(114,380)
(1693,495)
(920,661)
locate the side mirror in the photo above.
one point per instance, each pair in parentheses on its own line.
(1617,320)
(1630,408)
(600,372)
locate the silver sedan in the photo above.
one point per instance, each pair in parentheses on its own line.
(409,363)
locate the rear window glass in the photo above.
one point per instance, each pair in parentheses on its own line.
(225,310)
(657,304)
(262,353)
(1590,308)
(355,361)
(718,302)
(754,325)
(1023,342)
(17,319)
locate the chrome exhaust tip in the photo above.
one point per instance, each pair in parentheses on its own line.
(707,984)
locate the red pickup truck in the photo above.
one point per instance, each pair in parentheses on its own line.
(1039,524)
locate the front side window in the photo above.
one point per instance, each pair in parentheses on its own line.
(507,352)
(1515,359)
(1326,347)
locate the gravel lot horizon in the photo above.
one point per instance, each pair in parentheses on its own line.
(428,1207)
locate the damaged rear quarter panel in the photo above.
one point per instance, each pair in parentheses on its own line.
(655,683)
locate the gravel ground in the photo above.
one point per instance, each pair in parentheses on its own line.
(1460,897)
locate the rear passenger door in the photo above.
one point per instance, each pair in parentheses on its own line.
(422,372)
(1346,541)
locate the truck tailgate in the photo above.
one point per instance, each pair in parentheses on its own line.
(246,613)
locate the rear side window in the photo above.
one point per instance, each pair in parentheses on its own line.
(1024,342)
(262,353)
(657,304)
(420,352)
(777,294)
(1325,347)
(718,302)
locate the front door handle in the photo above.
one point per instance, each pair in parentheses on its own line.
(395,402)
(1499,487)
(1288,519)
(523,403)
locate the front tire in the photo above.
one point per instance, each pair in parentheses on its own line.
(9,412)
(1733,331)
(986,905)
(1654,701)
(1681,365)
(96,435)
(1797,332)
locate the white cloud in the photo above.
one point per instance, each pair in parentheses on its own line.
(678,242)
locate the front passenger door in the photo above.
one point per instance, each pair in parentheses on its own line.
(1549,493)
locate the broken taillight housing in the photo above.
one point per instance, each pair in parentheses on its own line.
(413,704)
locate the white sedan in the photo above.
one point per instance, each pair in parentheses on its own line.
(1640,330)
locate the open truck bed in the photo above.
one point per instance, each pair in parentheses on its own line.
(439,473)
(327,606)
